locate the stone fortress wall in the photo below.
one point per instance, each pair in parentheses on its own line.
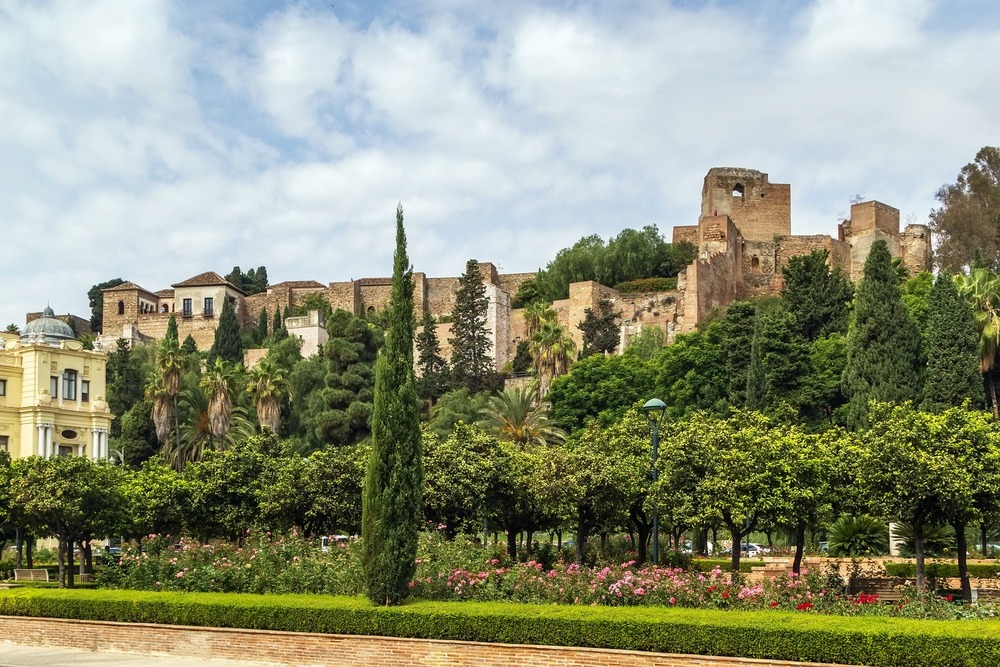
(743,237)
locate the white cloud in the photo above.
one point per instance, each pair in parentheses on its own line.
(153,140)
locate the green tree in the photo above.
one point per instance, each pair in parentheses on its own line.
(392,505)
(137,440)
(124,383)
(218,383)
(553,350)
(319,494)
(156,498)
(967,223)
(817,296)
(514,416)
(278,324)
(883,345)
(228,344)
(471,362)
(601,331)
(189,346)
(981,289)
(267,386)
(600,387)
(952,350)
(779,363)
(432,369)
(458,405)
(253,281)
(95,295)
(916,298)
(691,374)
(647,344)
(262,326)
(332,392)
(855,536)
(69,497)
(736,330)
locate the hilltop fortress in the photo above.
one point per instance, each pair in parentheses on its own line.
(743,237)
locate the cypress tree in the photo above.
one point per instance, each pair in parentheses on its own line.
(431,366)
(952,349)
(883,344)
(228,343)
(277,323)
(189,346)
(471,364)
(172,329)
(392,499)
(262,326)
(756,382)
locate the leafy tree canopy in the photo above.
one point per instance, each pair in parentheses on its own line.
(253,281)
(967,224)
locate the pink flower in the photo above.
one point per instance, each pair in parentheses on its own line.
(673,600)
(641,591)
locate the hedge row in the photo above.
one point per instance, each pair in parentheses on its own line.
(880,641)
(640,285)
(707,564)
(942,570)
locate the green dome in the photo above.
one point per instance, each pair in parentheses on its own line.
(46,329)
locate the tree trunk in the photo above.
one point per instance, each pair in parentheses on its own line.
(62,562)
(734,563)
(715,539)
(918,548)
(604,543)
(963,560)
(512,545)
(528,545)
(29,551)
(69,563)
(800,546)
(19,543)
(993,393)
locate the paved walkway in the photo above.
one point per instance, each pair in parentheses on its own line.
(16,655)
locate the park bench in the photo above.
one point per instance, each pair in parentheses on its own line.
(887,589)
(34,574)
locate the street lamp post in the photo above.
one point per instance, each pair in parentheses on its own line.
(654,409)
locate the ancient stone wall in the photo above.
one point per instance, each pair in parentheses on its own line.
(874,215)
(687,233)
(915,248)
(345,296)
(441,296)
(583,295)
(656,309)
(511,282)
(760,209)
(861,245)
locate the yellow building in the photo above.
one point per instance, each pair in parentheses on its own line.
(52,393)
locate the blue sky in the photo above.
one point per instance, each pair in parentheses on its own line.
(153,140)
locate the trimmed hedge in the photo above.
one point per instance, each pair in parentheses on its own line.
(707,564)
(640,285)
(880,641)
(943,570)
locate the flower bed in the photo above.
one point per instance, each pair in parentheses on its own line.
(460,570)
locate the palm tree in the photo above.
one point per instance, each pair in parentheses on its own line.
(858,536)
(534,314)
(552,350)
(196,435)
(163,417)
(267,385)
(981,288)
(514,416)
(217,382)
(169,367)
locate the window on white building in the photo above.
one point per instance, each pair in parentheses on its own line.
(69,385)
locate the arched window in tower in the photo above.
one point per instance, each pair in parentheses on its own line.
(738,190)
(754,264)
(121,307)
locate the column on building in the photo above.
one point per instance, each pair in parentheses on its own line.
(95,444)
(49,451)
(41,440)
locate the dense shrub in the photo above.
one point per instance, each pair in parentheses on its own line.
(768,635)
(647,285)
(944,570)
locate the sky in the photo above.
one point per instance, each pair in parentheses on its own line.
(153,140)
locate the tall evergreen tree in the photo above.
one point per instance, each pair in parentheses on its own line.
(817,296)
(432,369)
(737,329)
(124,384)
(278,322)
(262,326)
(228,344)
(392,500)
(601,332)
(471,363)
(172,330)
(952,350)
(883,344)
(756,388)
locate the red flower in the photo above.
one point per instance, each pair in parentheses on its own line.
(774,603)
(805,606)
(725,595)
